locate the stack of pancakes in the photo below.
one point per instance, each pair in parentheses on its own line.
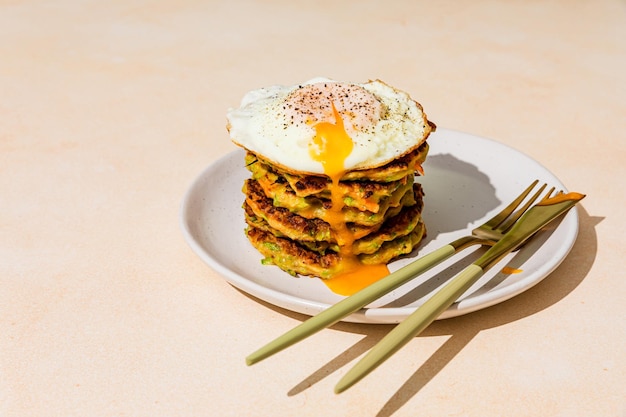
(285,212)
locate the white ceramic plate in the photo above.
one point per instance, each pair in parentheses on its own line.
(468,179)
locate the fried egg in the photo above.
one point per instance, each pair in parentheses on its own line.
(324,126)
(328,127)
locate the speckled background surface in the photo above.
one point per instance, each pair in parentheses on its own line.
(109,110)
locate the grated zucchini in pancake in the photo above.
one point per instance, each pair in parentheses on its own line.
(285,214)
(310,190)
(395,226)
(297,259)
(280,195)
(302,228)
(306,246)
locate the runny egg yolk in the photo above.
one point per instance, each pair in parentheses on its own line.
(330,146)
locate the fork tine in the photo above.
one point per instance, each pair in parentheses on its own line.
(510,221)
(549,195)
(506,212)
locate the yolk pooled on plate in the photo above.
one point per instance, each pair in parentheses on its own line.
(330,146)
(509,271)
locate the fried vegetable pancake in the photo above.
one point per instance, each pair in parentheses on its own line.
(281,195)
(299,227)
(394,170)
(399,225)
(295,259)
(310,189)
(305,185)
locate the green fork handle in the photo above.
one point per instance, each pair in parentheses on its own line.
(359,300)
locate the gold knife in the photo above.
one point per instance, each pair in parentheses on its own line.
(530,223)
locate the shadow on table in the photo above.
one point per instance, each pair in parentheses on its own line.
(463,329)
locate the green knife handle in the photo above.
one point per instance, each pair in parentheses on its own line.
(413,325)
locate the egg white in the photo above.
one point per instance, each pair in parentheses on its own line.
(262,125)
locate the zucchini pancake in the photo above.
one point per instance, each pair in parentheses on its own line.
(332,192)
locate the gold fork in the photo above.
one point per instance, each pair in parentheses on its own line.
(486,234)
(536,218)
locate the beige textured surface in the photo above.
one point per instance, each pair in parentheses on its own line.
(108,111)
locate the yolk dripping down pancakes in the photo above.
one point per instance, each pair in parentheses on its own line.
(332,191)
